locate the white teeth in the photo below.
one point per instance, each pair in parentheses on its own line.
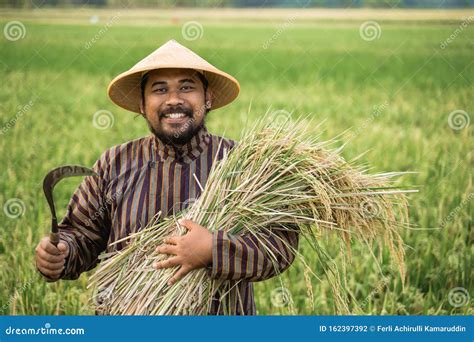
(175,115)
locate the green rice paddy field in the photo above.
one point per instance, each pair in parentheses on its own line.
(402,89)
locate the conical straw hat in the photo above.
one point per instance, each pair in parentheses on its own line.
(125,91)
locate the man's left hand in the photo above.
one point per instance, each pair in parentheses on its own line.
(192,250)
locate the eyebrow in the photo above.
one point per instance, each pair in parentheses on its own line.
(188,80)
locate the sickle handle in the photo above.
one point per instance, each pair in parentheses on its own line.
(54,235)
(54,238)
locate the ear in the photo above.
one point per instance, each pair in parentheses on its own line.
(142,109)
(208,99)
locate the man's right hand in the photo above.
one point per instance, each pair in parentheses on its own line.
(50,259)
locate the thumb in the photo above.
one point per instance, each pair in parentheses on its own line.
(188,224)
(63,247)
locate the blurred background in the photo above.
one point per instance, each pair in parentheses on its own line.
(396,77)
(247,3)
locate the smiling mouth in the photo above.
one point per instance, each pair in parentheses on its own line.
(174,116)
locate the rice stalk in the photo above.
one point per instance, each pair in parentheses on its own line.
(279,176)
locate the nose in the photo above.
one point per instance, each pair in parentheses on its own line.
(174,99)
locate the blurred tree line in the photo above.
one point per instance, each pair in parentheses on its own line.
(243,3)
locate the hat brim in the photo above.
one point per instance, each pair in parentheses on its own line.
(124,90)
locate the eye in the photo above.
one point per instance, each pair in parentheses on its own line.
(187,88)
(159,90)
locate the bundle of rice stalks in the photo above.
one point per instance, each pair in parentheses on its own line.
(277,176)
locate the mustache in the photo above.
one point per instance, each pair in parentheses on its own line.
(187,111)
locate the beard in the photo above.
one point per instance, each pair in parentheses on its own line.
(181,134)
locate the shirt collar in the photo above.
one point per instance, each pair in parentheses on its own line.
(181,154)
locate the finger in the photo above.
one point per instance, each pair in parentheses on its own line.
(49,247)
(50,273)
(52,277)
(42,254)
(188,224)
(178,275)
(63,247)
(168,263)
(171,240)
(49,265)
(167,249)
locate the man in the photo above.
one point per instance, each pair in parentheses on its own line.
(173,89)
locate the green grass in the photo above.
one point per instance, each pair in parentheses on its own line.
(325,70)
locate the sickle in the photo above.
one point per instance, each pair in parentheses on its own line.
(49,182)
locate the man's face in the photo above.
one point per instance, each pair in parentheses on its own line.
(174,104)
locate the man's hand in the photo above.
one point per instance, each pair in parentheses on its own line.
(192,250)
(50,259)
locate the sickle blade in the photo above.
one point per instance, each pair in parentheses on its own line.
(56,175)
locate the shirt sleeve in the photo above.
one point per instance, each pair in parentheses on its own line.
(236,257)
(86,225)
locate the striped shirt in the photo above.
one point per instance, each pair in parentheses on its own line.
(138,179)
